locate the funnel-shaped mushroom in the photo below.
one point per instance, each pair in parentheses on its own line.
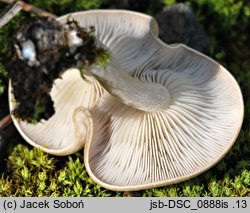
(176,117)
(169,112)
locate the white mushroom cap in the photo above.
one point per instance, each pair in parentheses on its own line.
(62,133)
(132,148)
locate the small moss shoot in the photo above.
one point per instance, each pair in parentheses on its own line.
(102,60)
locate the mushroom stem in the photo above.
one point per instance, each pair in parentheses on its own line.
(142,95)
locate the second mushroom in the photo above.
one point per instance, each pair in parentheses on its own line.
(162,113)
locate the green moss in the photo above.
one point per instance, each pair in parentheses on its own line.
(237,186)
(102,60)
(31,172)
(169,2)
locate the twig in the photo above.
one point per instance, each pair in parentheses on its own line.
(8,13)
(31,9)
(5,121)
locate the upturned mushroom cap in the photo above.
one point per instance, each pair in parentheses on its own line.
(132,148)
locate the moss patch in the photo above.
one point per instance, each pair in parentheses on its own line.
(31,172)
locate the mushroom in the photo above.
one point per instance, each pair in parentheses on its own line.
(170,112)
(167,114)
